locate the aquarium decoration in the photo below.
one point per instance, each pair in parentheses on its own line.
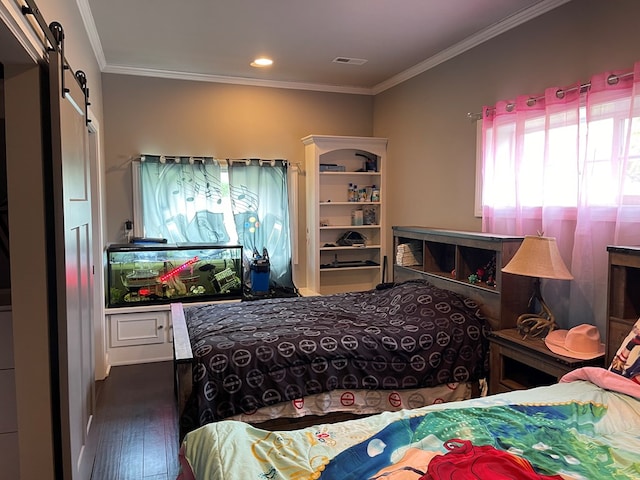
(177,270)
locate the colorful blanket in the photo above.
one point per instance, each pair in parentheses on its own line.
(573,430)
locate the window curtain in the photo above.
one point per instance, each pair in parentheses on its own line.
(567,164)
(183,202)
(212,201)
(259,202)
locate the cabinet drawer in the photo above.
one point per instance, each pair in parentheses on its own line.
(138,328)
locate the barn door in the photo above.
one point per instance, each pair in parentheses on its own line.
(74,269)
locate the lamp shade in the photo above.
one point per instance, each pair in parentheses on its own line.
(538,257)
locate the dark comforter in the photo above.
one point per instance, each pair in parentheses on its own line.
(252,354)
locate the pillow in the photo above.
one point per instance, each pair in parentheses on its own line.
(627,359)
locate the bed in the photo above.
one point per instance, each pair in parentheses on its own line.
(585,427)
(405,346)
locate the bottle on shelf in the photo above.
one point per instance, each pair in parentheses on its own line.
(375,194)
(357,217)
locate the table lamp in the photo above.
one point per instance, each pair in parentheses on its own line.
(538,257)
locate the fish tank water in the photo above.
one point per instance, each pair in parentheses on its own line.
(148,274)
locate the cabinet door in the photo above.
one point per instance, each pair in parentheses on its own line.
(144,328)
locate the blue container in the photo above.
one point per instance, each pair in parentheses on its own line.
(259,281)
(260,269)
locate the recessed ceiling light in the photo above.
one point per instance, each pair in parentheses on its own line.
(262,62)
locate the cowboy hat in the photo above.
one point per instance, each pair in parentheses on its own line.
(581,342)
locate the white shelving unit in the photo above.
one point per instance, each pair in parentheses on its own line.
(334,269)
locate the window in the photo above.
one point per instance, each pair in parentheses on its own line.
(567,164)
(549,156)
(204,200)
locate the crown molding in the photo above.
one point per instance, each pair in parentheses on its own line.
(92,32)
(470,42)
(202,77)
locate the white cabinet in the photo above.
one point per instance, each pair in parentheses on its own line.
(139,335)
(333,164)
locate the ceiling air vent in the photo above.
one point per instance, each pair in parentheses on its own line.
(350,61)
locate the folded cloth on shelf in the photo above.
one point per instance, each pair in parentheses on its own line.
(409,254)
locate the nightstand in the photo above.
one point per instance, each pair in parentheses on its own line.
(518,364)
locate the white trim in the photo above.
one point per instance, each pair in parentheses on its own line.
(307,292)
(97,213)
(18,24)
(92,32)
(202,77)
(477,207)
(293,174)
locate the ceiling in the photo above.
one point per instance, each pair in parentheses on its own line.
(215,40)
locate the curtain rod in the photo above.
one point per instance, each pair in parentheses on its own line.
(203,159)
(560,93)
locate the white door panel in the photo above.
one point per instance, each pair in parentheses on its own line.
(71,171)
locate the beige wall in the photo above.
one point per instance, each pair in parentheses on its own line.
(179,117)
(432,144)
(431,141)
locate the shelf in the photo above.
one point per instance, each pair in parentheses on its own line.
(450,259)
(349,264)
(448,277)
(520,376)
(631,319)
(330,214)
(624,301)
(348,247)
(354,204)
(340,269)
(352,173)
(347,227)
(623,296)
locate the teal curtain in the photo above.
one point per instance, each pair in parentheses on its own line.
(259,201)
(208,201)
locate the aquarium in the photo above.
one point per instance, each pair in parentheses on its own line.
(147,274)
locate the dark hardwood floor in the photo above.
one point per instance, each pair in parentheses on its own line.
(137,419)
